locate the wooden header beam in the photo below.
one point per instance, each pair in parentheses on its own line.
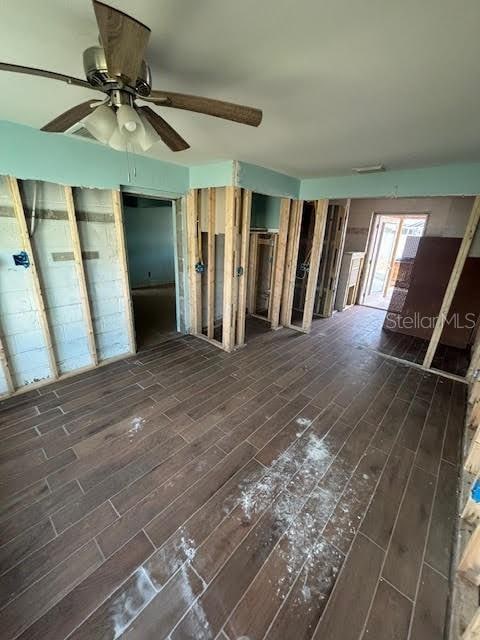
(37,288)
(82,283)
(453,282)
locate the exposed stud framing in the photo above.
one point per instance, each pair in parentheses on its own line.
(453,282)
(122,254)
(236,261)
(37,289)
(272,274)
(469,565)
(472,632)
(6,368)
(471,511)
(252,273)
(242,278)
(211,263)
(195,279)
(231,199)
(330,280)
(279,263)
(474,365)
(295,223)
(321,209)
(82,283)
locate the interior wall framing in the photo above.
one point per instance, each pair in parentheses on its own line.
(218,222)
(333,248)
(311,256)
(263,254)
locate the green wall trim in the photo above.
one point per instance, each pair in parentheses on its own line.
(445,180)
(26,152)
(266,181)
(218,174)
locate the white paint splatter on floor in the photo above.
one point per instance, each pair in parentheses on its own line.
(126,607)
(310,457)
(303,422)
(137,425)
(200,620)
(188,548)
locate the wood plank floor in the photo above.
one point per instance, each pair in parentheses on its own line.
(303,487)
(446,358)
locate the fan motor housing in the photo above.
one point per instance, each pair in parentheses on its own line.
(95,66)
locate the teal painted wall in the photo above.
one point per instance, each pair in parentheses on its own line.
(150,243)
(446,180)
(28,153)
(266,181)
(219,174)
(265,211)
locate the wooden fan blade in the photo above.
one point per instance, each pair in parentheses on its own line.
(170,137)
(33,71)
(124,40)
(67,119)
(217,108)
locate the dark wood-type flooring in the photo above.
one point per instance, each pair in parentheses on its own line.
(413,349)
(303,487)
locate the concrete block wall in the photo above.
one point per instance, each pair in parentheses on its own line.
(19,319)
(52,243)
(50,236)
(98,238)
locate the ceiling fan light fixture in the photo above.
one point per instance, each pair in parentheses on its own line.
(149,136)
(128,120)
(117,141)
(101,123)
(118,69)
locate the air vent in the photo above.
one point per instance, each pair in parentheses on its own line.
(81,132)
(370,169)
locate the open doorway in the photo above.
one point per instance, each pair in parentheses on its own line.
(392,252)
(150,241)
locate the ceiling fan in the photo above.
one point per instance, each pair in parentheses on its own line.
(118,69)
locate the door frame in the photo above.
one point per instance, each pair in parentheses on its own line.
(373,230)
(175,202)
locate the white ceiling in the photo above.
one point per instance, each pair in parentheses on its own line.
(342,83)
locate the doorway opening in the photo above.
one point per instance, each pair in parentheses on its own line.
(392,252)
(150,240)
